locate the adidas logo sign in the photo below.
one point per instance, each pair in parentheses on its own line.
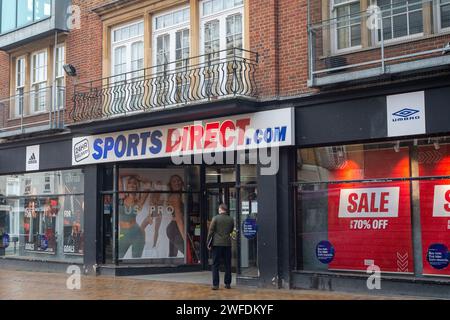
(32,159)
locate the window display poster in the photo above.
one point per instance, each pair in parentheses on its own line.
(435,208)
(151,214)
(73,208)
(370,224)
(39,224)
(435,223)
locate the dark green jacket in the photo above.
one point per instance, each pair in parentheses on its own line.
(221,227)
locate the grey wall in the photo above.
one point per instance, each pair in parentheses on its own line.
(364,118)
(52,156)
(341,121)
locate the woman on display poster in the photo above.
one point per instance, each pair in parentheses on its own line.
(176,230)
(132,234)
(161,215)
(31,224)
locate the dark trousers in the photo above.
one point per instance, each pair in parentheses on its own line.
(176,240)
(219,253)
(133,237)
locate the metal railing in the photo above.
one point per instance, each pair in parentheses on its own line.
(33,111)
(220,74)
(397,38)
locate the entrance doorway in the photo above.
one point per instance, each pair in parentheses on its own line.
(215,195)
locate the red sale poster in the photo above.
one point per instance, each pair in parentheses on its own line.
(370,223)
(435,210)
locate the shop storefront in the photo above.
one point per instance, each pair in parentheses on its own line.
(42,215)
(140,201)
(375,196)
(160,187)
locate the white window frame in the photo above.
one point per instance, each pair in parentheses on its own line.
(219,76)
(398,39)
(33,83)
(61,76)
(19,97)
(334,28)
(221,16)
(171,31)
(164,87)
(127,43)
(437,14)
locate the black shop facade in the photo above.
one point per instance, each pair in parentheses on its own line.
(139,201)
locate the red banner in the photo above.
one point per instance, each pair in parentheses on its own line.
(435,209)
(370,224)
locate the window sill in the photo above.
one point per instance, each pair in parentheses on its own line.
(389,43)
(40,113)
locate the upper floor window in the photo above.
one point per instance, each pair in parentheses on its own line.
(400,18)
(214,6)
(171,39)
(223,29)
(172,19)
(127,50)
(39,81)
(444,14)
(19,13)
(347,23)
(20,86)
(59,73)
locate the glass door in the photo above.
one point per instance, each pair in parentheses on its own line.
(217,194)
(107,222)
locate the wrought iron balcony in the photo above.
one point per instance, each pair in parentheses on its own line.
(217,75)
(403,37)
(31,112)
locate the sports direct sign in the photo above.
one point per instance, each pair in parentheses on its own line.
(243,132)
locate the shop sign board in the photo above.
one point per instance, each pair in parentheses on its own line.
(32,158)
(406,114)
(273,128)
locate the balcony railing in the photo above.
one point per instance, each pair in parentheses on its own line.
(34,111)
(395,39)
(217,75)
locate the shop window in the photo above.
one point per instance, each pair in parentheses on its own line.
(249,221)
(355,205)
(42,215)
(159,219)
(434,162)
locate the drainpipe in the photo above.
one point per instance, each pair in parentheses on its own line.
(54,91)
(279,275)
(277,48)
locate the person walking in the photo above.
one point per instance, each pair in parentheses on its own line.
(219,241)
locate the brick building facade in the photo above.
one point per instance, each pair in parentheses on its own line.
(96,96)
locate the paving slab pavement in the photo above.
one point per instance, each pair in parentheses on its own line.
(20,285)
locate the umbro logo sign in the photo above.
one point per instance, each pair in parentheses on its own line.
(406,114)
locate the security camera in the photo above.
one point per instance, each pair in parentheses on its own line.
(70,70)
